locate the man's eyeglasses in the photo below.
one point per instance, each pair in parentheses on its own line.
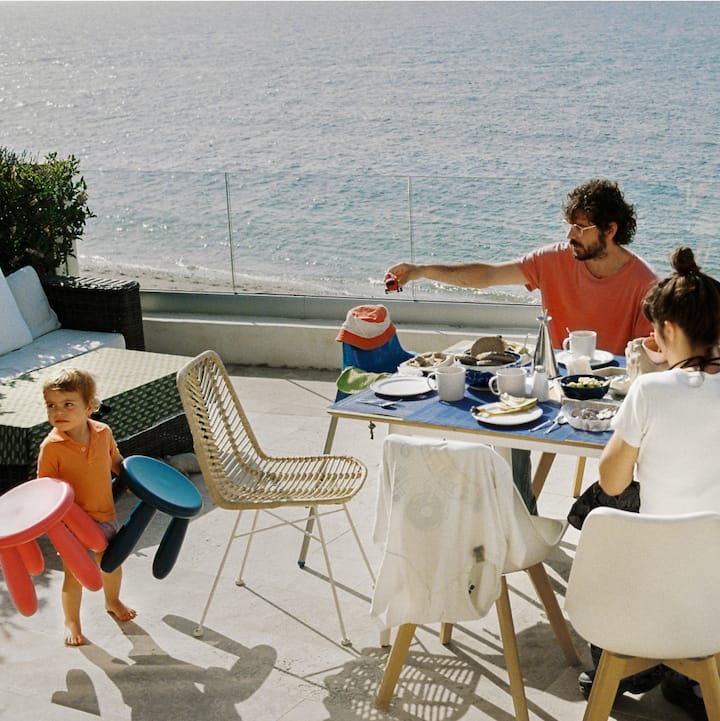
(579,229)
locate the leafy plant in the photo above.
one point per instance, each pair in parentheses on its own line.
(43,210)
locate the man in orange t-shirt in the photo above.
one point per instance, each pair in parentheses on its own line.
(591,282)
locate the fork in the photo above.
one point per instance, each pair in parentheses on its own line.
(559,421)
(543,424)
(382,404)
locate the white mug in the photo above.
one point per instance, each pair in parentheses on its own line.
(581,342)
(509,380)
(449,382)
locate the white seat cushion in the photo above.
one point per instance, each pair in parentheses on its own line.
(31,300)
(56,346)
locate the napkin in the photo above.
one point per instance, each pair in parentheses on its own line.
(507,404)
(352,380)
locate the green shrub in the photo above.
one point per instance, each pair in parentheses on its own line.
(43,209)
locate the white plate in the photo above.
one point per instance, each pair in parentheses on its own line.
(601,358)
(401,386)
(510,419)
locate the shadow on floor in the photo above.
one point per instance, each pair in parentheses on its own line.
(159,687)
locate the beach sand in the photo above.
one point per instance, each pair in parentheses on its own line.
(188,280)
(196,280)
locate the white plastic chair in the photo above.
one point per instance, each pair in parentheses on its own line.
(240,476)
(453,525)
(646,589)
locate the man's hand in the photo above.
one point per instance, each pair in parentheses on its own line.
(403,273)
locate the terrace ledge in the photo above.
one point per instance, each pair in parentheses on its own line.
(283,331)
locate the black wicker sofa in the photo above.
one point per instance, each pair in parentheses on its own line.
(107,306)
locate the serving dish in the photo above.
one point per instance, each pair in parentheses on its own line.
(595,416)
(584,386)
(426,362)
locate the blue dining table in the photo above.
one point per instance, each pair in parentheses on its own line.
(427,413)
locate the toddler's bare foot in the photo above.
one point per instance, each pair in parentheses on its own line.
(73,634)
(120,612)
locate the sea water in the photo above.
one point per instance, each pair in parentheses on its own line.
(305,147)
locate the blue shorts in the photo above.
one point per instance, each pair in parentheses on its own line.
(109,528)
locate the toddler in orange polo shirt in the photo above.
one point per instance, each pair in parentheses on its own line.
(82,452)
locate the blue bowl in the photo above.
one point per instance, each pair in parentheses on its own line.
(584,393)
(477,378)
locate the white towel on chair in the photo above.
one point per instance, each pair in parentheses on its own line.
(445,517)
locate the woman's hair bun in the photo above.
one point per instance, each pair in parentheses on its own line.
(683,261)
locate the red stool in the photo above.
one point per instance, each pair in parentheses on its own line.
(45,505)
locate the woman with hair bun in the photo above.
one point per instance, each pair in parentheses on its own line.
(665,433)
(677,409)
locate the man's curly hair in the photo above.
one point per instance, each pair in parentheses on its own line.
(603,203)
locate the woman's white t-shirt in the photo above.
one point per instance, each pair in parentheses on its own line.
(673,417)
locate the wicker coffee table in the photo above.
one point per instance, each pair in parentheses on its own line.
(141,405)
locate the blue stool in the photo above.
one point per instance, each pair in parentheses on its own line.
(159,488)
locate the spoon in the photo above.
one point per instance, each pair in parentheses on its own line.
(559,421)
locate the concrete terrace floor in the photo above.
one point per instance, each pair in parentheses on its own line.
(271,650)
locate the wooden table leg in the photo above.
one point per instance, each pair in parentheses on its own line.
(579,473)
(541,472)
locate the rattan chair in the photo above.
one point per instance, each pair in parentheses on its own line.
(240,476)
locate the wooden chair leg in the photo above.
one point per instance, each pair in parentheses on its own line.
(541,582)
(705,672)
(579,473)
(512,658)
(394,665)
(611,669)
(604,688)
(445,633)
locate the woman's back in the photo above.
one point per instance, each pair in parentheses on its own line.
(673,418)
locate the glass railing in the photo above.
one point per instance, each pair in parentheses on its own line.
(334,235)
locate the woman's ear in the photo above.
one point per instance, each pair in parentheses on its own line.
(669,331)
